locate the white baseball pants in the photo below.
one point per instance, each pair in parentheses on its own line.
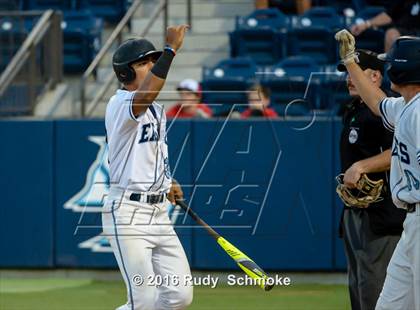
(401,289)
(147,249)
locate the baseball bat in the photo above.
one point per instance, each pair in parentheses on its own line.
(243,261)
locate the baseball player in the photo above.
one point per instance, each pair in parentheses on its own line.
(401,115)
(370,234)
(149,253)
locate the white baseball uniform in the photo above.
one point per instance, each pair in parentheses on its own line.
(140,233)
(401,289)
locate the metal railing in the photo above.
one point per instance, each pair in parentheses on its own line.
(116,36)
(37,64)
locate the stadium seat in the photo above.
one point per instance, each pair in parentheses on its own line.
(110,10)
(63,5)
(265,18)
(261,36)
(313,35)
(293,109)
(333,93)
(226,83)
(11,5)
(12,35)
(14,101)
(82,39)
(371,39)
(288,82)
(264,46)
(339,5)
(321,16)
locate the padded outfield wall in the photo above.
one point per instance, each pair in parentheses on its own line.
(267,186)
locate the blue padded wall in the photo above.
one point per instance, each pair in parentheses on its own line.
(27,191)
(266,186)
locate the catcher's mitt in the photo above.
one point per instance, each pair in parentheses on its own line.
(365,193)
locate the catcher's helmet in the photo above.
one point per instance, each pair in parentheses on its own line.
(403,60)
(129,52)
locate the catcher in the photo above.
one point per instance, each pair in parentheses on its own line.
(370,224)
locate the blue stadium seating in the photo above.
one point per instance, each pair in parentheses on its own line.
(261,36)
(293,109)
(313,35)
(371,39)
(339,5)
(264,46)
(15,101)
(226,83)
(63,5)
(266,18)
(321,16)
(11,5)
(333,93)
(288,81)
(82,39)
(110,10)
(82,26)
(12,35)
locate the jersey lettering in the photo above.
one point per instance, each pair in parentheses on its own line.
(148,133)
(412,181)
(400,150)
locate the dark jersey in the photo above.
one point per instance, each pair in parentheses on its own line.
(405,14)
(364,136)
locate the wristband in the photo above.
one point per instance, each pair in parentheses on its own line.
(169,48)
(162,65)
(352,57)
(368,24)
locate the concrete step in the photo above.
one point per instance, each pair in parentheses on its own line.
(184,73)
(102,74)
(99,111)
(209,25)
(51,103)
(202,58)
(92,90)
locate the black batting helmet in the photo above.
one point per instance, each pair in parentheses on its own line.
(403,61)
(129,52)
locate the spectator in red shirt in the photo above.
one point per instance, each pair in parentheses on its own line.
(258,102)
(190,105)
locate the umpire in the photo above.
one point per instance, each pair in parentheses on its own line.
(370,234)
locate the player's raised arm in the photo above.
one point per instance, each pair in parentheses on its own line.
(369,92)
(150,87)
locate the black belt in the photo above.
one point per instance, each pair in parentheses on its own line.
(411,207)
(148,198)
